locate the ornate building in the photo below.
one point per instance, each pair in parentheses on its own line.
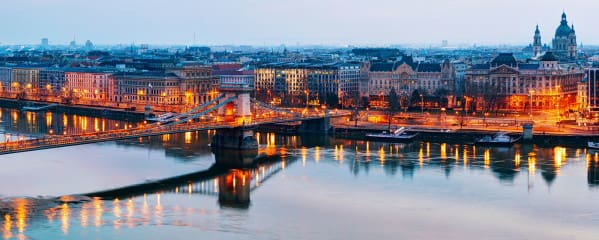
(505,83)
(406,76)
(564,42)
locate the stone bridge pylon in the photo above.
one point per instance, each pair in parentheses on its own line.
(239,111)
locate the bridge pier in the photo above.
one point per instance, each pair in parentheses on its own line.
(234,189)
(319,125)
(238,138)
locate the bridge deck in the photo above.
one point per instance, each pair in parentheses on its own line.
(57,141)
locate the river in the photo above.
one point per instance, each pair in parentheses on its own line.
(311,187)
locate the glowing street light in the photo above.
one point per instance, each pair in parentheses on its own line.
(421,103)
(531,92)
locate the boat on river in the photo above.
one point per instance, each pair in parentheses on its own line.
(593,145)
(500,139)
(399,135)
(38,108)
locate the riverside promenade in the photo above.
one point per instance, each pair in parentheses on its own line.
(547,130)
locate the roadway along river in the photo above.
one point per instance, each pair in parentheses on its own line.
(311,188)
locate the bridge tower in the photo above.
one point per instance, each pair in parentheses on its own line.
(239,110)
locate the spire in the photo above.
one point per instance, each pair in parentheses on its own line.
(537,30)
(573,28)
(564,20)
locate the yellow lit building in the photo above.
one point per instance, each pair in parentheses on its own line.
(87,87)
(25,82)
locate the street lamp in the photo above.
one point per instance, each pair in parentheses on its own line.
(306,92)
(531,92)
(421,103)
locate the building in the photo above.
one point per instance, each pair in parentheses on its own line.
(564,42)
(433,77)
(406,77)
(592,84)
(382,76)
(460,71)
(87,86)
(197,84)
(51,82)
(5,78)
(582,96)
(25,82)
(44,43)
(505,83)
(158,89)
(350,77)
(300,84)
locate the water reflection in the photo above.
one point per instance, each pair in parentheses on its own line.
(118,208)
(593,169)
(232,188)
(15,124)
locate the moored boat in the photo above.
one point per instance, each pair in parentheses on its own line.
(401,134)
(499,138)
(593,145)
(38,108)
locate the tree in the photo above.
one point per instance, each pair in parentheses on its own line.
(404,102)
(415,98)
(442,93)
(332,100)
(393,101)
(365,102)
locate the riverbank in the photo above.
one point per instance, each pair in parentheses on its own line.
(92,111)
(470,135)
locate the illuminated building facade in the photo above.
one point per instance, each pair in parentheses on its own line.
(87,86)
(298,84)
(52,80)
(25,82)
(592,84)
(406,76)
(197,84)
(145,88)
(5,78)
(519,86)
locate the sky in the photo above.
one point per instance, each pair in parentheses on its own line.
(300,22)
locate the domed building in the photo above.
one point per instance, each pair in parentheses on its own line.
(564,42)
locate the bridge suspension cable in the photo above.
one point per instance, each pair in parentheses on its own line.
(199,114)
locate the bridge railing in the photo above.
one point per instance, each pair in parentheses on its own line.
(148,130)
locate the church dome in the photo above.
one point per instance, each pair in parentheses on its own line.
(505,59)
(563,30)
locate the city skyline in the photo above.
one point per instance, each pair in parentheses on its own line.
(269,22)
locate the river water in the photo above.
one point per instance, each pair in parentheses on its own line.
(310,187)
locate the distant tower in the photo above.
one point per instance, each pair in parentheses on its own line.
(89,45)
(536,45)
(44,44)
(73,44)
(572,45)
